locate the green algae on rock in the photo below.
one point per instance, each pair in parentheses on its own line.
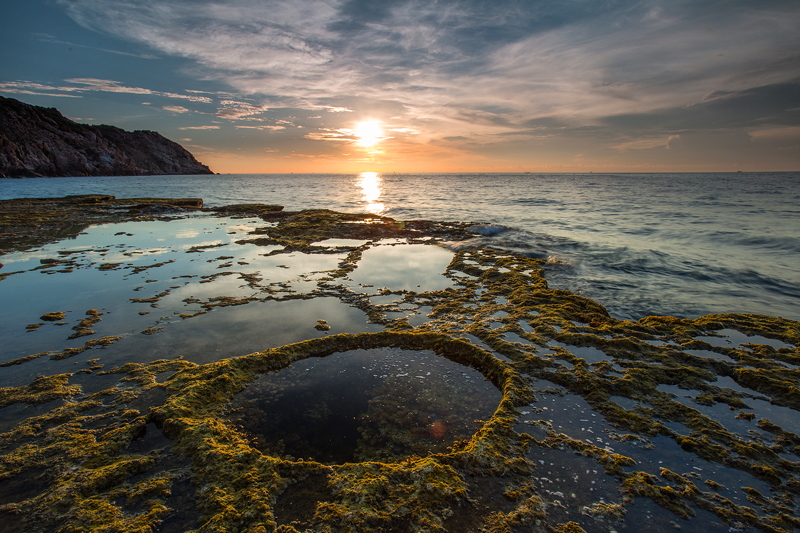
(591,406)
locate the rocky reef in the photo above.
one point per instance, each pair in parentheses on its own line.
(596,424)
(37,141)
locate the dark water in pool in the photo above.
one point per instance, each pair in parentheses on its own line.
(380,404)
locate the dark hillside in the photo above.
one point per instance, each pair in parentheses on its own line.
(39,141)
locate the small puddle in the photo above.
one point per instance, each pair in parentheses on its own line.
(626,403)
(340,243)
(733,338)
(589,353)
(710,355)
(378,404)
(784,417)
(386,300)
(420,317)
(417,267)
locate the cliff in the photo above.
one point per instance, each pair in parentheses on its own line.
(39,141)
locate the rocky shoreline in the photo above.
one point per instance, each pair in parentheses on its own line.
(601,424)
(40,142)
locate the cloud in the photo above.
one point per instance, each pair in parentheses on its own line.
(641,144)
(27,87)
(110,86)
(671,142)
(787,133)
(232,109)
(51,39)
(333,135)
(175,109)
(199,128)
(85,85)
(753,107)
(471,68)
(263,127)
(674,142)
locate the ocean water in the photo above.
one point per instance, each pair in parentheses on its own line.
(640,244)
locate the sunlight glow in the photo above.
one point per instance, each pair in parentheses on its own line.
(369,133)
(370,183)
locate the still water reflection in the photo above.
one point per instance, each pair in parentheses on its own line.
(371,183)
(378,404)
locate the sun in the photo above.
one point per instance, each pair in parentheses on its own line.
(369,133)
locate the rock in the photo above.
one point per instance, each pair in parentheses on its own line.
(38,141)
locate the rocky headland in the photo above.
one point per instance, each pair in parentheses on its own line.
(39,141)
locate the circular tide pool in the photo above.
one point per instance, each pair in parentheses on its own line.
(377,404)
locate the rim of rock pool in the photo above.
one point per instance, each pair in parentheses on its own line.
(194,414)
(377,404)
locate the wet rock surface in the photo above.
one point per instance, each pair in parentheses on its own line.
(596,424)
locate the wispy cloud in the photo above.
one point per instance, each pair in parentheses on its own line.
(329,134)
(448,61)
(85,85)
(231,109)
(50,39)
(27,87)
(262,127)
(199,128)
(628,77)
(110,86)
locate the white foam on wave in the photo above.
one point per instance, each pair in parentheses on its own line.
(488,229)
(556,260)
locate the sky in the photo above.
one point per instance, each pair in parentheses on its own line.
(262,86)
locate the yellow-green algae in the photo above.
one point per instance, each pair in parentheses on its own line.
(96,484)
(366,495)
(238,485)
(81,445)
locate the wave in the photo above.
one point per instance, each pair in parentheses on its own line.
(488,229)
(635,283)
(535,201)
(789,244)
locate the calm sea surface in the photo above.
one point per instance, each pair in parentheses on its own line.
(640,244)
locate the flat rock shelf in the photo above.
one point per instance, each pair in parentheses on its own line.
(169,367)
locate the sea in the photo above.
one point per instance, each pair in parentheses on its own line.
(683,245)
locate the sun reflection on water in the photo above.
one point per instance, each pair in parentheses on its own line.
(370,183)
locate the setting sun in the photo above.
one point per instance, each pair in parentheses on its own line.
(369,133)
